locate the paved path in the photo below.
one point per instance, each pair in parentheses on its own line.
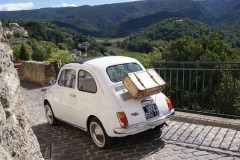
(179,140)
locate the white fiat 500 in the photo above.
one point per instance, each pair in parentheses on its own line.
(90,94)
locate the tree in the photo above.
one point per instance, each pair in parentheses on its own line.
(9,36)
(216,49)
(25,52)
(62,55)
(18,34)
(39,54)
(93,53)
(205,48)
(42,50)
(183,49)
(63,46)
(16,51)
(155,56)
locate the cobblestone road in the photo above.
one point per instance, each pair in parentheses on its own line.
(177,141)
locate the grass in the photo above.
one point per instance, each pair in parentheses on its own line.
(110,40)
(115,50)
(135,55)
(121,52)
(118,51)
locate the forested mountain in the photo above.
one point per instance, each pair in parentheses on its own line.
(223,10)
(171,29)
(122,19)
(165,31)
(230,32)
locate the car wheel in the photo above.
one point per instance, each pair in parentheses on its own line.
(50,115)
(98,134)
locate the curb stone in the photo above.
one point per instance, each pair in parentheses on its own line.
(207,120)
(206,148)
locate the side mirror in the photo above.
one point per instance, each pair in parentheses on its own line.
(52,82)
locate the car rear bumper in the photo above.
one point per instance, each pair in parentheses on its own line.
(137,128)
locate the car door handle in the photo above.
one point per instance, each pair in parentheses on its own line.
(72,95)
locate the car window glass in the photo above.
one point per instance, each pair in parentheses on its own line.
(117,72)
(132,67)
(67,78)
(86,82)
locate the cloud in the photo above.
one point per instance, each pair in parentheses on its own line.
(67,5)
(15,6)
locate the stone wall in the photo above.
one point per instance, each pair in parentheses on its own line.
(17,140)
(39,72)
(1,32)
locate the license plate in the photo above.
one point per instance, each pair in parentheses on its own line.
(151,111)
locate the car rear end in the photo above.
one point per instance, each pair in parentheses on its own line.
(141,114)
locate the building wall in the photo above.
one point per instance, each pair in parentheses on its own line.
(39,72)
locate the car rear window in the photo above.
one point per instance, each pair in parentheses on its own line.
(117,72)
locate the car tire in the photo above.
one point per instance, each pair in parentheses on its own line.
(98,134)
(52,120)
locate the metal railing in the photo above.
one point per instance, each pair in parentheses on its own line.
(205,87)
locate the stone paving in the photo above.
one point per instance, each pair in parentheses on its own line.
(178,140)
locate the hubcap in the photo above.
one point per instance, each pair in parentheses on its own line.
(97,134)
(49,114)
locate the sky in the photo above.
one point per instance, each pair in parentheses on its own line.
(11,5)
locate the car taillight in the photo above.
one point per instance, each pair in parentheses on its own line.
(170,106)
(122,119)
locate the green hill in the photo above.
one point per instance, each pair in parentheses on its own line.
(225,11)
(44,39)
(113,19)
(123,19)
(164,31)
(171,29)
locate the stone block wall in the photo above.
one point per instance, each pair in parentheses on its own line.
(39,72)
(17,140)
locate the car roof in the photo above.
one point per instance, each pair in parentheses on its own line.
(81,61)
(102,62)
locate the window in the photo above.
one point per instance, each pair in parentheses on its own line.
(117,72)
(86,82)
(67,78)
